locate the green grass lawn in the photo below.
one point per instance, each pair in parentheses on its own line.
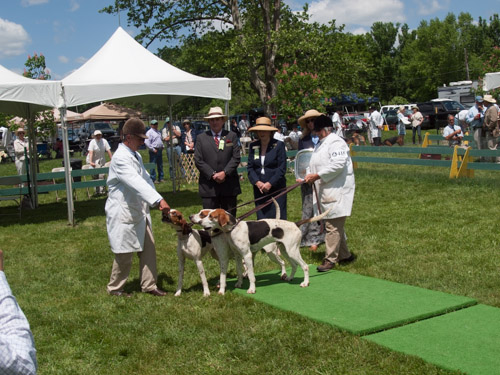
(411,225)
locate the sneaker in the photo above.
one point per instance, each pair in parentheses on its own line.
(326,266)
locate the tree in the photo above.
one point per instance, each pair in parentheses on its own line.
(35,68)
(256,26)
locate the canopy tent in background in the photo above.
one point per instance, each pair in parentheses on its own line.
(110,111)
(123,68)
(24,97)
(491,81)
(70,116)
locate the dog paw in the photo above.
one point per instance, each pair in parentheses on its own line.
(284,277)
(178,293)
(238,284)
(304,284)
(288,278)
(221,292)
(206,294)
(251,291)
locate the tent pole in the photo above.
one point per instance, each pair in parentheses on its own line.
(171,145)
(228,123)
(67,166)
(33,157)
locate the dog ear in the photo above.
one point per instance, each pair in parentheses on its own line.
(222,218)
(186,228)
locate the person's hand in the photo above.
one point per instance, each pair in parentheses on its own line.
(92,164)
(155,150)
(266,187)
(311,177)
(163,206)
(1,260)
(219,177)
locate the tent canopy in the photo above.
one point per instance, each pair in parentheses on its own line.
(110,111)
(23,96)
(123,68)
(491,81)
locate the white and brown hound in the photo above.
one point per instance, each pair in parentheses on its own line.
(247,237)
(192,244)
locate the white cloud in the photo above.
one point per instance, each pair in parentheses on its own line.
(13,39)
(28,3)
(357,13)
(74,6)
(63,59)
(427,7)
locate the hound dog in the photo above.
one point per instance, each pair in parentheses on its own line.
(192,244)
(247,237)
(224,251)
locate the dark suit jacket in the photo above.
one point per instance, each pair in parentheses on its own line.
(209,159)
(275,169)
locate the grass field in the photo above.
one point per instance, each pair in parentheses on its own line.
(411,225)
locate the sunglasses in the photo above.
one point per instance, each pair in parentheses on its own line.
(309,120)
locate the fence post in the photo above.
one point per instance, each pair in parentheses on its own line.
(351,151)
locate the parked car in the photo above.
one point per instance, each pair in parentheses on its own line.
(75,143)
(354,122)
(436,112)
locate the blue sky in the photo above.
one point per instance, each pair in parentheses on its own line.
(68,32)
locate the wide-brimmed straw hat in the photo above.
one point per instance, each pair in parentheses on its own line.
(263,124)
(308,114)
(489,99)
(215,112)
(20,130)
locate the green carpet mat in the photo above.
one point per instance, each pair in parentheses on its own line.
(351,302)
(467,340)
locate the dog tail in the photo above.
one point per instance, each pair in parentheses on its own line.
(312,219)
(278,211)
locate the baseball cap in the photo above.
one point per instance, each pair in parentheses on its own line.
(154,122)
(479,98)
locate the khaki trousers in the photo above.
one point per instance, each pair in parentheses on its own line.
(335,240)
(147,266)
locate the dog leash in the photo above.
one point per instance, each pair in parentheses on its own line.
(263,197)
(284,191)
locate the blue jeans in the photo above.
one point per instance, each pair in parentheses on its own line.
(156,158)
(178,150)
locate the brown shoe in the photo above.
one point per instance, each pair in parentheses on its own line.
(157,292)
(120,293)
(313,247)
(326,266)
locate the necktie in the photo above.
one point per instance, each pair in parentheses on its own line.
(216,139)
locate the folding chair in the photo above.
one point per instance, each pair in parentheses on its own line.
(17,182)
(54,181)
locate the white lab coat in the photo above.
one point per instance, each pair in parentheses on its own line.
(131,193)
(376,123)
(332,162)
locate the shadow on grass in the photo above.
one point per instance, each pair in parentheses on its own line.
(134,286)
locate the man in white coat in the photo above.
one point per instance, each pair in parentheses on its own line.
(376,125)
(131,194)
(331,171)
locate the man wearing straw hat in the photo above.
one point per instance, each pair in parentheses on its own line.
(20,144)
(217,156)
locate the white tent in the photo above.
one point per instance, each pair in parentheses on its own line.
(123,68)
(491,81)
(24,97)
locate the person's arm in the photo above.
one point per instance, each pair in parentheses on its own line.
(17,347)
(91,156)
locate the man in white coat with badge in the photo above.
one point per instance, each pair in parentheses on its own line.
(331,172)
(128,221)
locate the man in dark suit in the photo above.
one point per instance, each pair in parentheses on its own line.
(217,156)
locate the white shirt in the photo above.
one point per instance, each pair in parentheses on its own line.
(279,136)
(17,347)
(99,149)
(337,124)
(448,130)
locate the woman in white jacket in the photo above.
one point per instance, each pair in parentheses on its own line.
(131,194)
(331,171)
(20,144)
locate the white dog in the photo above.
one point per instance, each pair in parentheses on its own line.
(247,237)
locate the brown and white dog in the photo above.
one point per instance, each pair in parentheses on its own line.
(192,244)
(247,237)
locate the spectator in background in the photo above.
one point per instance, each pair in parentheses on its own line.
(337,123)
(278,135)
(154,145)
(20,144)
(234,128)
(490,124)
(188,137)
(266,168)
(312,235)
(416,124)
(402,122)
(475,118)
(453,133)
(376,122)
(98,147)
(461,119)
(243,126)
(171,136)
(17,347)
(294,137)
